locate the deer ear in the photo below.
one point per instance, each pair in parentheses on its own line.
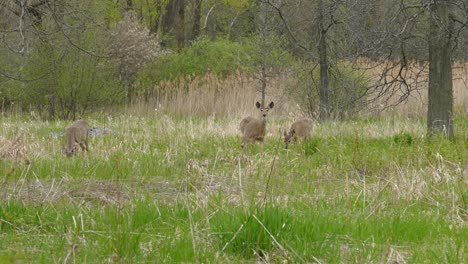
(271,105)
(285,133)
(258,104)
(293,131)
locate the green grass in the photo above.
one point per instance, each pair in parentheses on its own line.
(164,190)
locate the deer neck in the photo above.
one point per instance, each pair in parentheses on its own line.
(263,127)
(71,138)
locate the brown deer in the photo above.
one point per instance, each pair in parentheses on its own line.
(301,128)
(254,129)
(77,133)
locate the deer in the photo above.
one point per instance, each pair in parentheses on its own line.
(301,128)
(77,133)
(254,129)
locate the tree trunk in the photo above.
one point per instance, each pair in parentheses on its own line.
(322,49)
(180,25)
(441,43)
(264,84)
(173,23)
(129,5)
(196,19)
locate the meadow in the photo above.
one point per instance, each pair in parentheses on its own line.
(166,189)
(169,184)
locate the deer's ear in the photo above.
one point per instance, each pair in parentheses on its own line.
(293,131)
(271,105)
(257,104)
(285,133)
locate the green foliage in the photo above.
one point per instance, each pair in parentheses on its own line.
(311,146)
(404,138)
(68,81)
(204,56)
(269,52)
(346,93)
(110,11)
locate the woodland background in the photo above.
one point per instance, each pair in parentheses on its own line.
(325,59)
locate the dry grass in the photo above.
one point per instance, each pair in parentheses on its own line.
(15,150)
(416,75)
(184,150)
(234,97)
(164,162)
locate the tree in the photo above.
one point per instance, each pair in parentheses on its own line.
(57,56)
(132,46)
(323,61)
(428,31)
(441,45)
(196,19)
(313,29)
(269,47)
(173,23)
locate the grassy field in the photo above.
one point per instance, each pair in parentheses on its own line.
(164,189)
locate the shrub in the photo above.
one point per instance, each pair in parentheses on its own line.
(132,46)
(69,82)
(403,138)
(347,89)
(220,57)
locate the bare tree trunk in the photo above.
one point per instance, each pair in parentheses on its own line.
(322,49)
(264,31)
(180,25)
(129,5)
(196,19)
(264,84)
(158,20)
(441,43)
(173,23)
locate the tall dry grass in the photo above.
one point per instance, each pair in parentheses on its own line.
(214,96)
(416,75)
(234,97)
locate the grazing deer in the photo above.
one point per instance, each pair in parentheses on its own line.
(301,128)
(77,133)
(253,129)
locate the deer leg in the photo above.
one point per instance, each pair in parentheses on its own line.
(83,147)
(244,146)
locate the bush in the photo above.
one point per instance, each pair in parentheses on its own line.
(132,46)
(403,138)
(347,89)
(68,82)
(220,57)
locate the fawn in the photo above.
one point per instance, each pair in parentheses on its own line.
(254,129)
(301,128)
(77,133)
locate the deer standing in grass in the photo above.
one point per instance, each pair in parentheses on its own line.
(77,133)
(301,128)
(254,129)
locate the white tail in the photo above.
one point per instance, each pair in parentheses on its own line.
(77,133)
(301,128)
(254,129)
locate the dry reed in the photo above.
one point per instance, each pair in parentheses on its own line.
(234,97)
